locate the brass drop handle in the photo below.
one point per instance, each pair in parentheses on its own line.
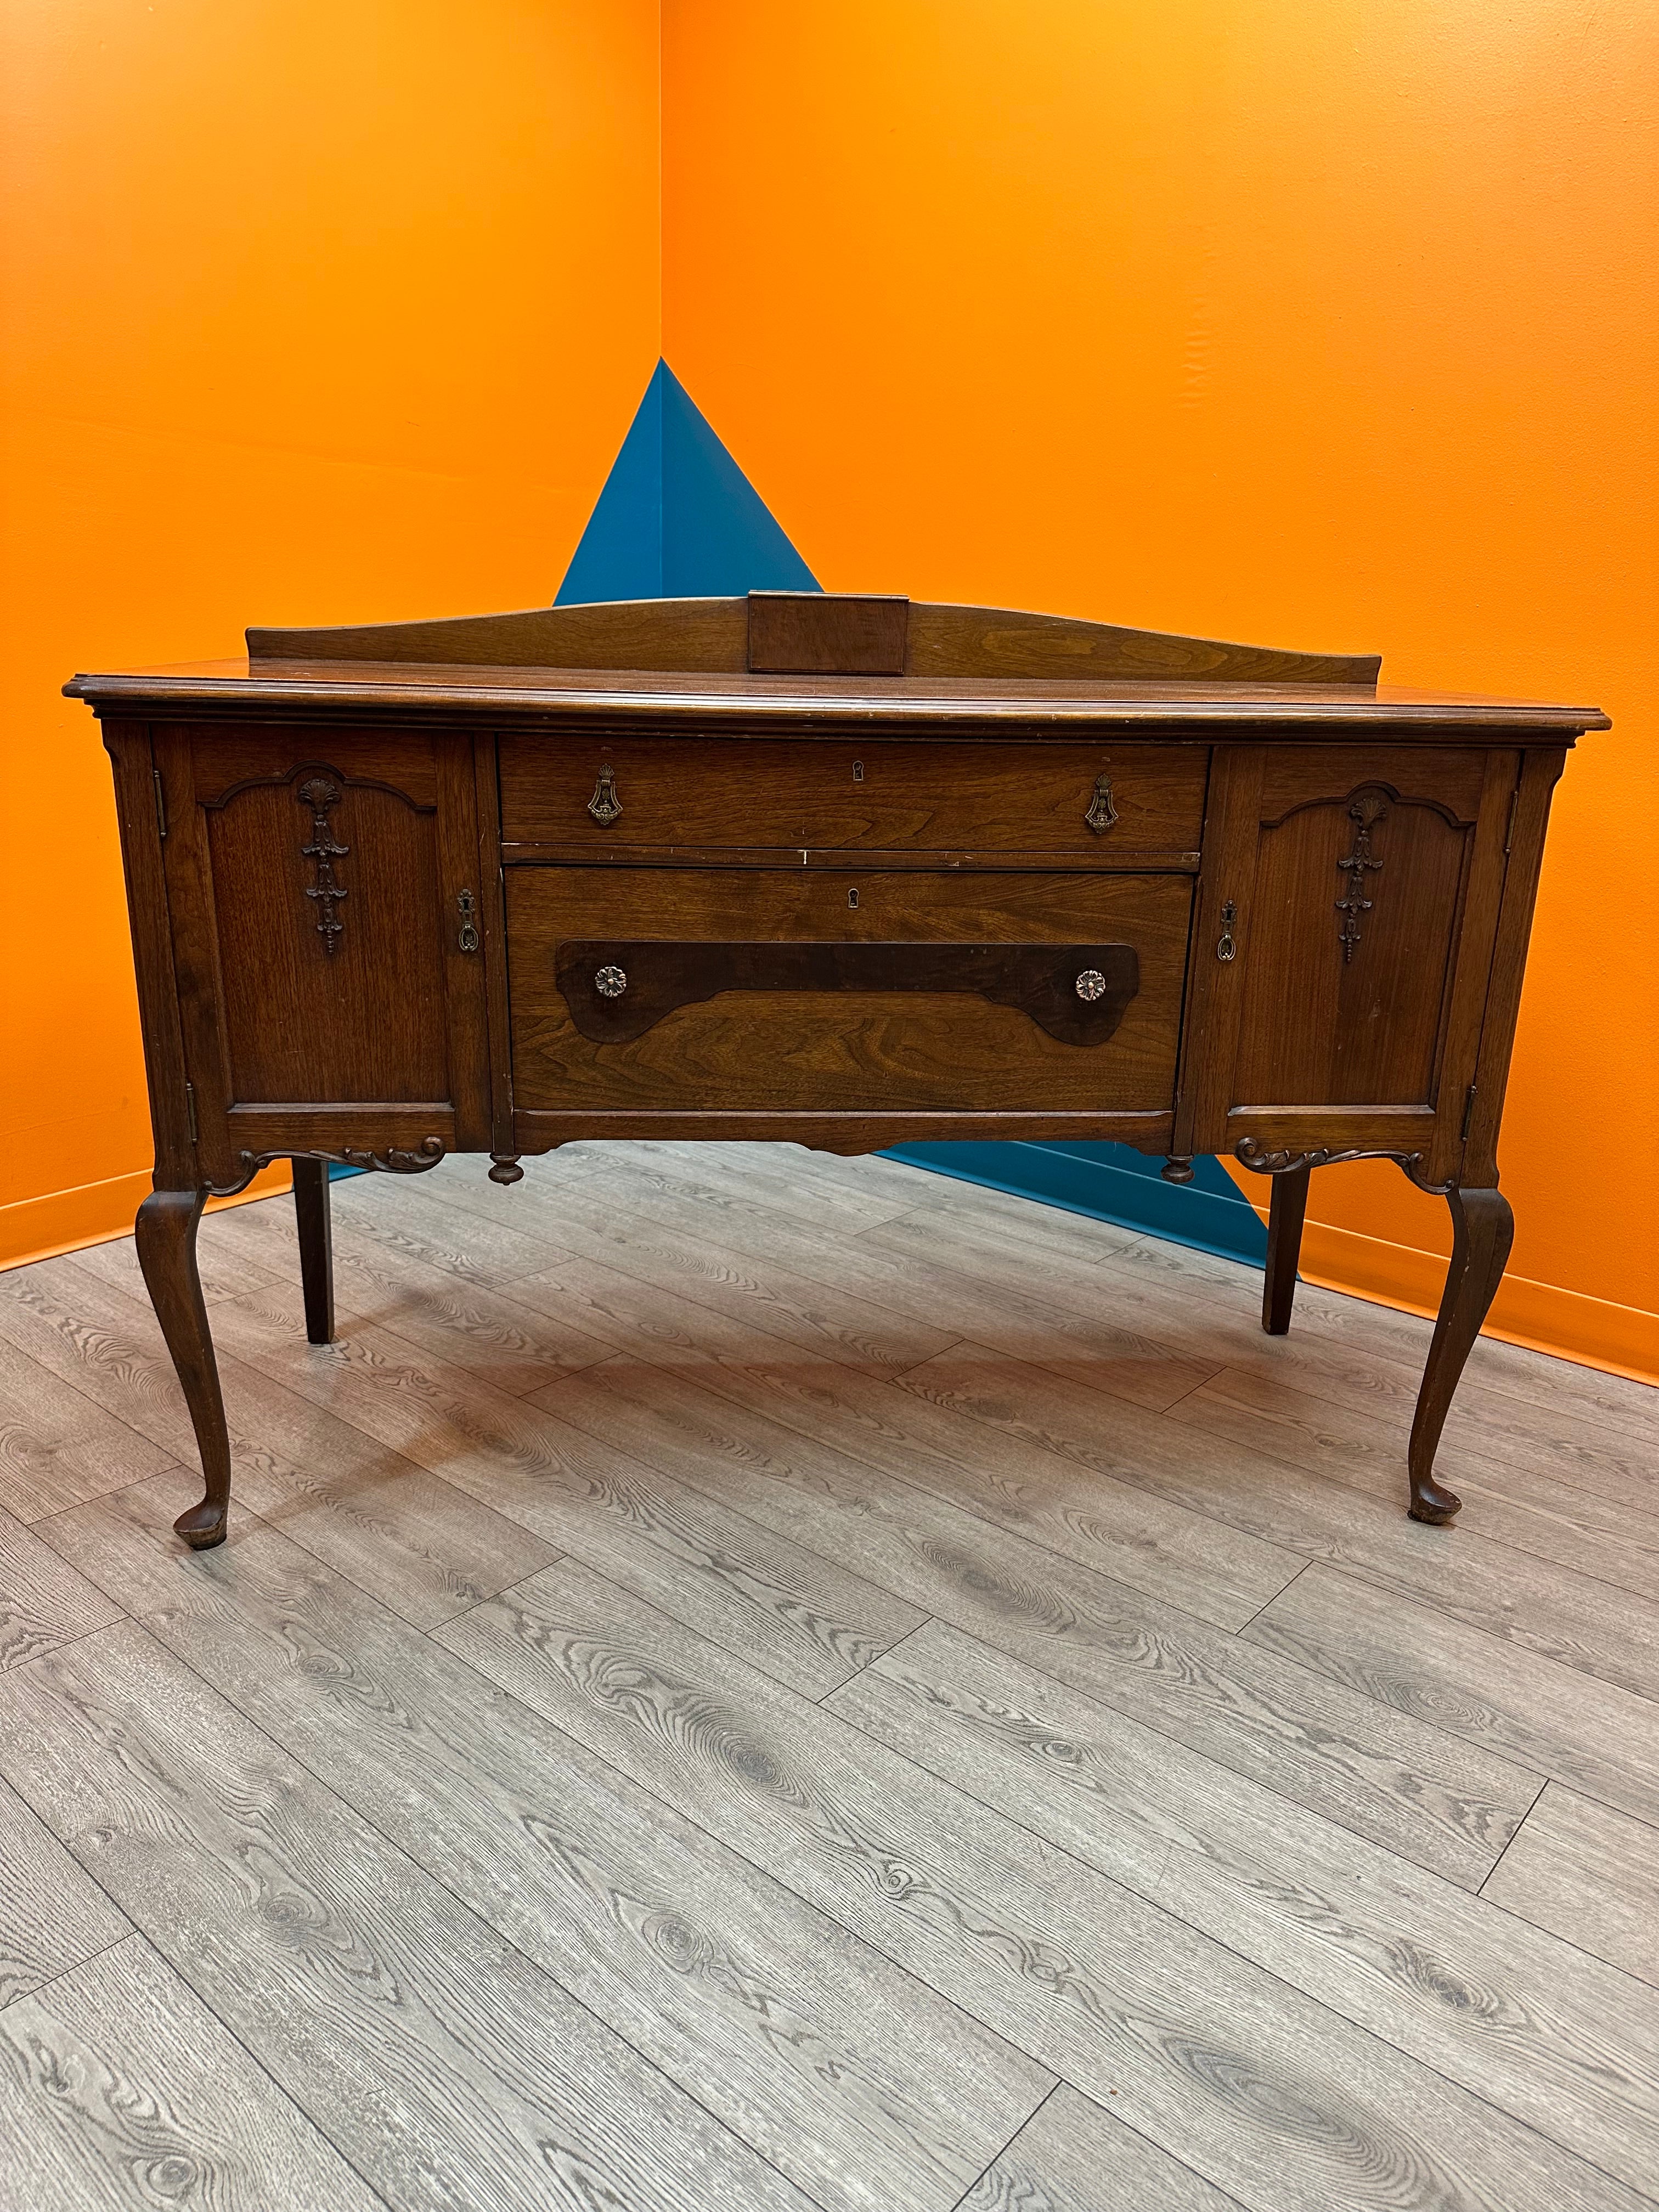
(467,935)
(1102,813)
(1226,947)
(605,806)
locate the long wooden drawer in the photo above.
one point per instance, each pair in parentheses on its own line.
(629,796)
(835,991)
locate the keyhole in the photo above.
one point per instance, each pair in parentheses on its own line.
(852,898)
(857,773)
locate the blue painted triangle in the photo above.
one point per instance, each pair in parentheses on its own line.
(678,517)
(620,553)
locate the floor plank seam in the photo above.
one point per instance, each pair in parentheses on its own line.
(247,1517)
(39,1989)
(893,1373)
(848,1450)
(1274,1600)
(1375,1579)
(63,1643)
(824,1912)
(1503,1854)
(1473,1490)
(886,1652)
(1149,1251)
(1164,1411)
(1003,2149)
(746,1260)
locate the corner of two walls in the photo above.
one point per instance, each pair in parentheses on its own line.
(316,314)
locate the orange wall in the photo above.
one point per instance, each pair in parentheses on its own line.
(1329,325)
(312,313)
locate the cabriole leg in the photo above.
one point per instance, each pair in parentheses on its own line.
(316,1248)
(1286,1212)
(1483,1229)
(166,1236)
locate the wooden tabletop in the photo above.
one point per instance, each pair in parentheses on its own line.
(425,689)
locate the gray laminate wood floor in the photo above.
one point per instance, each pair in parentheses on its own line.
(754,1681)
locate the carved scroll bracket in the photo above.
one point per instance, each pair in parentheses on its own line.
(1252,1154)
(393,1161)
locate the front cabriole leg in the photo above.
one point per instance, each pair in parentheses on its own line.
(166,1236)
(1483,1229)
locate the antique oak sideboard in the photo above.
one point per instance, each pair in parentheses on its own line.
(841,870)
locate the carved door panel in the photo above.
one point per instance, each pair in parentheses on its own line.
(1344,997)
(323,890)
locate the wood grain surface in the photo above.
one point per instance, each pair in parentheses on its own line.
(448,2068)
(126,2094)
(802,2039)
(754,1679)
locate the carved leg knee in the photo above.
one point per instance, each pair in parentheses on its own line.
(166,1237)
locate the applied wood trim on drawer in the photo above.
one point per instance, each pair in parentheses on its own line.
(854,1052)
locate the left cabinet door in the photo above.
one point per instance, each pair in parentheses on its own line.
(324,894)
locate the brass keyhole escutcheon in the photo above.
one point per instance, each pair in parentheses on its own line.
(858,771)
(852,898)
(1227,948)
(467,935)
(605,806)
(1102,813)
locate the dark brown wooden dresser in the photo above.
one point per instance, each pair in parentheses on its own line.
(845,871)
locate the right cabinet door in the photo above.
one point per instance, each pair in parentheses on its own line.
(1366,884)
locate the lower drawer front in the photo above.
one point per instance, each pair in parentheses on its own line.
(722,988)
